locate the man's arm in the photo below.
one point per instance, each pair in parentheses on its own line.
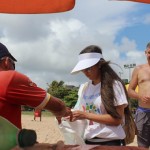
(133,84)
(57,107)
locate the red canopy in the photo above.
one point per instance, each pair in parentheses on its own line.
(35,6)
(140,1)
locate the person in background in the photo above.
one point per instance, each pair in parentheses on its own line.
(141,78)
(103,101)
(16,89)
(38,113)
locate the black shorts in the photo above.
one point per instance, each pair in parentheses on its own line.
(142,120)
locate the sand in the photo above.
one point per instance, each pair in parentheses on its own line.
(47,130)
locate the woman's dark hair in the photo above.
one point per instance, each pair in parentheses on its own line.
(108,77)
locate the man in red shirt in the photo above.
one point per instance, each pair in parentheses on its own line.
(16,89)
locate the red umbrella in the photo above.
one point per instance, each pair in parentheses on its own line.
(35,6)
(140,1)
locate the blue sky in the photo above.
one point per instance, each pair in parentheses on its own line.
(47,45)
(139,31)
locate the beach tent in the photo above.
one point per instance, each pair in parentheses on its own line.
(35,6)
(140,1)
(127,86)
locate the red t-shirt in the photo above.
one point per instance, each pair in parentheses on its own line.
(17,89)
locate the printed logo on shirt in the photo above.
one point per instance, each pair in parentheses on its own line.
(91,97)
(91,108)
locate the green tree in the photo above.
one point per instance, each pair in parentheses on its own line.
(71,98)
(57,89)
(65,92)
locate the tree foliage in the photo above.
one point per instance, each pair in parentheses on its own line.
(57,89)
(71,98)
(66,93)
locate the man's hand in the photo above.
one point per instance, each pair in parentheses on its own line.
(145,99)
(59,119)
(68,114)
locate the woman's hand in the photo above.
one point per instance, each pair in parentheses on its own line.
(79,115)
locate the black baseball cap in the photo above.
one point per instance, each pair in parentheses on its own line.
(4,52)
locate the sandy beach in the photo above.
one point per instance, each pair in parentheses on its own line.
(47,130)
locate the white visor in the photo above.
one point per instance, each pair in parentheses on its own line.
(86,60)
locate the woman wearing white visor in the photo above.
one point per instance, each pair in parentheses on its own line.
(102,101)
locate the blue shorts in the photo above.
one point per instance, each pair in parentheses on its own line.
(142,120)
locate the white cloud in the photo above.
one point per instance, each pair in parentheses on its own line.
(47,46)
(127,45)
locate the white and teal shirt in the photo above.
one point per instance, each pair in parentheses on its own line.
(90,101)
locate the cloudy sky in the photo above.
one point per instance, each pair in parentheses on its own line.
(47,45)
